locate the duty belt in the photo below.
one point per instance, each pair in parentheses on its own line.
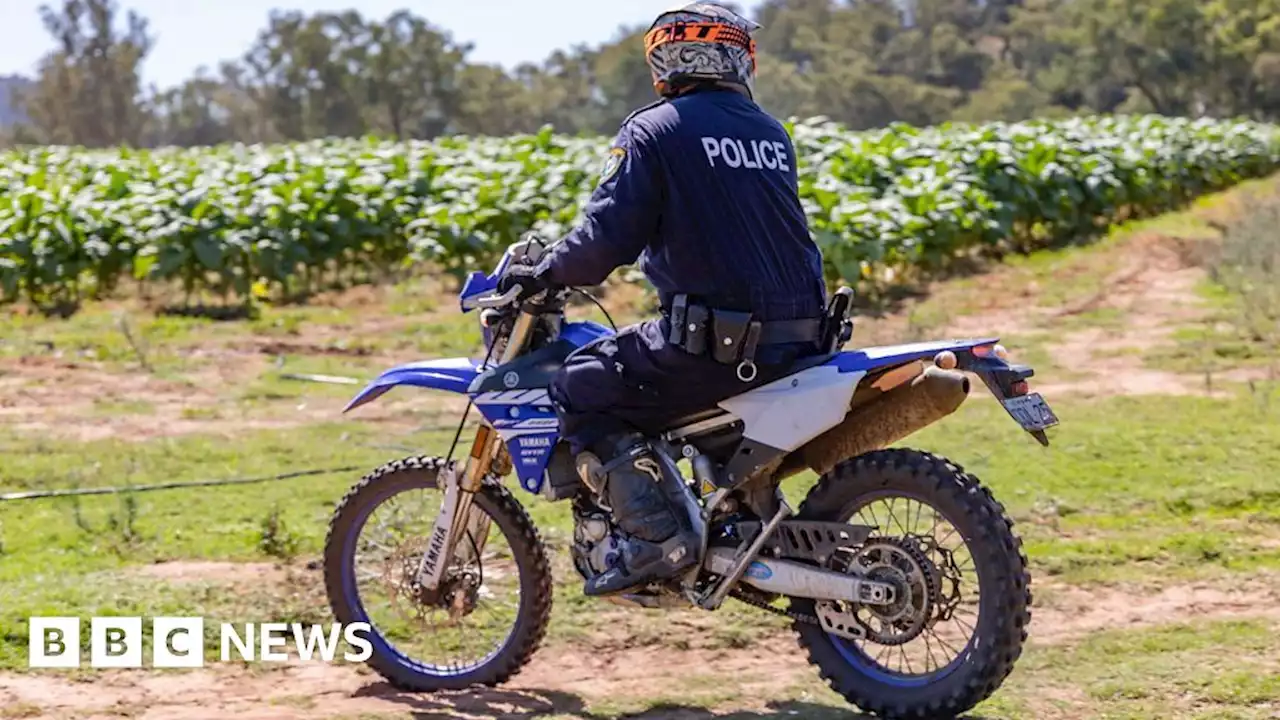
(731,336)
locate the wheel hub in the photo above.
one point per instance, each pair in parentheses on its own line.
(459,593)
(903,565)
(901,606)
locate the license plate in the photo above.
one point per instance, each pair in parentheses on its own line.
(1031,412)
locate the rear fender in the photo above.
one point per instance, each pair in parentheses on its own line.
(870,359)
(452,374)
(975,356)
(1004,380)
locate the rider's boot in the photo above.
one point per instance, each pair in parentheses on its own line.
(631,482)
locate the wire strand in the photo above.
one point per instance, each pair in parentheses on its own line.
(593,299)
(470,403)
(37,494)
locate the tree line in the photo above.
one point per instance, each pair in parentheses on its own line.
(865,63)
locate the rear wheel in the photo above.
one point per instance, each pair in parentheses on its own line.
(490,612)
(961,586)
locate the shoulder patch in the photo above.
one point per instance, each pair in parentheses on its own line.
(613,163)
(650,106)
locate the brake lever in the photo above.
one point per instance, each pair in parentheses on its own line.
(496,301)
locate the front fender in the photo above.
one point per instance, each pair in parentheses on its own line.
(452,374)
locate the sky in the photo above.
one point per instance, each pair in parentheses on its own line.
(191,33)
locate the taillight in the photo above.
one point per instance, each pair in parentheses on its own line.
(989,350)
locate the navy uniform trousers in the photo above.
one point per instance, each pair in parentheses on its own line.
(638,382)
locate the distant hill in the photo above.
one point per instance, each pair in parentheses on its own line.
(9,115)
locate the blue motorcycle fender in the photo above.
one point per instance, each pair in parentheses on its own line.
(874,358)
(451,374)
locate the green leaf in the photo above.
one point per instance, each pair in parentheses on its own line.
(208,252)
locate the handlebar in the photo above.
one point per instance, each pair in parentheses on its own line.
(496,301)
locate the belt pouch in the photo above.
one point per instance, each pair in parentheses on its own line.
(695,330)
(728,331)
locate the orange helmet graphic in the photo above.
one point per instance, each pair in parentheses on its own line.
(701,42)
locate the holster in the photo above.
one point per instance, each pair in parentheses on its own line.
(837,326)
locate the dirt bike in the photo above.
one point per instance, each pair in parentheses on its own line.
(872,569)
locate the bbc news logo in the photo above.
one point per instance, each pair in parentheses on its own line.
(178,642)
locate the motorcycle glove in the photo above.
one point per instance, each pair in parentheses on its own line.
(531,281)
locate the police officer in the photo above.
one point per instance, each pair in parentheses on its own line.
(701,187)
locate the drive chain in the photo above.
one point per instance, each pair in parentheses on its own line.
(757,603)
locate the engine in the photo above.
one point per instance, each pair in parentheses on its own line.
(597,544)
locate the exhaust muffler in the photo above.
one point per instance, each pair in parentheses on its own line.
(902,410)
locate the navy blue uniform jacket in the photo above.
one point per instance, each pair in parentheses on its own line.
(702,190)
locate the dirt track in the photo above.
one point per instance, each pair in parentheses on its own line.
(573,680)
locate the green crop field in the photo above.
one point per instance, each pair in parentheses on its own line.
(240,222)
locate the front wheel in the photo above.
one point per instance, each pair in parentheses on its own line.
(494,601)
(962,590)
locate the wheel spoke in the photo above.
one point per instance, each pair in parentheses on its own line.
(894,516)
(874,520)
(884,650)
(942,541)
(944,643)
(917,642)
(890,516)
(437,634)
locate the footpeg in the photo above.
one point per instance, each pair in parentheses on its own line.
(648,562)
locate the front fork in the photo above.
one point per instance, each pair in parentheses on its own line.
(456,519)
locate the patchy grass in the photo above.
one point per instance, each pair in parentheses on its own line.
(1210,347)
(99,336)
(20,710)
(1178,670)
(1137,493)
(108,406)
(1221,341)
(274,384)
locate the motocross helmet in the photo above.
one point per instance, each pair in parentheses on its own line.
(701,42)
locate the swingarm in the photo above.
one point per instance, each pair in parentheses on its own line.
(814,542)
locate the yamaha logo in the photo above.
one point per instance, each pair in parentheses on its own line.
(534,442)
(511,379)
(435,548)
